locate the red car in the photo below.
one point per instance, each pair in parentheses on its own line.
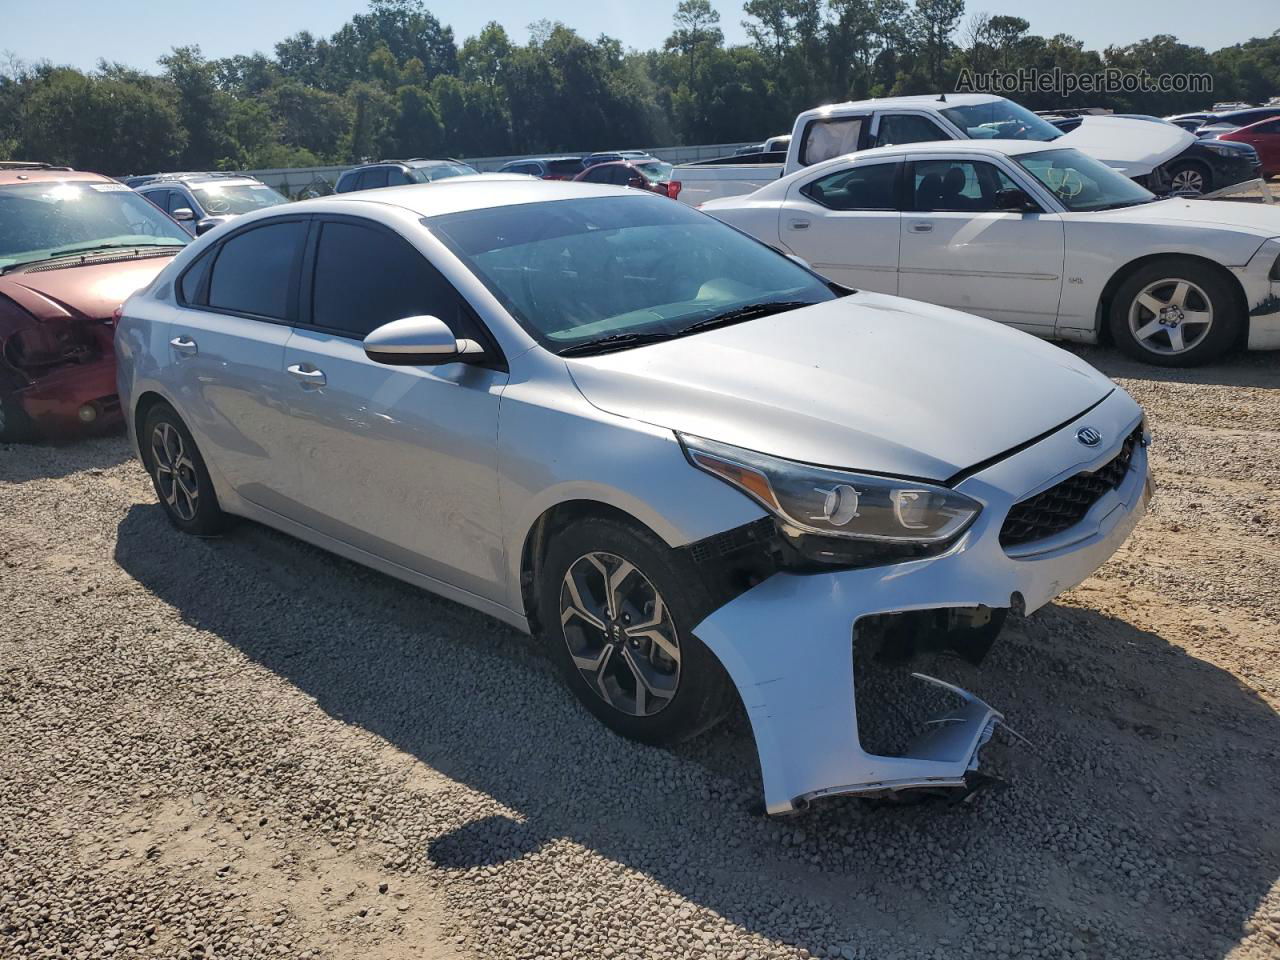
(73,247)
(1263,136)
(649,174)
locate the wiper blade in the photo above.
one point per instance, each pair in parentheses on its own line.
(615,341)
(112,245)
(749,312)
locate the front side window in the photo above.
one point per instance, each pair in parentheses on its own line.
(372,178)
(573,271)
(868,186)
(598,174)
(48,219)
(1081,182)
(1002,120)
(825,139)
(254,270)
(365,277)
(969,186)
(564,168)
(897,128)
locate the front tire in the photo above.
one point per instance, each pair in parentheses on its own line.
(1189,179)
(15,425)
(1175,312)
(617,608)
(178,473)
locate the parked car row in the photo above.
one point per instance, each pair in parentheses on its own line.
(656,443)
(1158,155)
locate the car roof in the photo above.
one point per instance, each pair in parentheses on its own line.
(1008,148)
(29,175)
(927,101)
(458,194)
(541,160)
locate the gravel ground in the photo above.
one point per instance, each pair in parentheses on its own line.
(244,747)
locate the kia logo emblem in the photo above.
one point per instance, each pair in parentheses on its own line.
(1089,436)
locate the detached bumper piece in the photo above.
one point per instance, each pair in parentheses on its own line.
(946,754)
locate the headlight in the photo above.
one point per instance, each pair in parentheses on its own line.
(1226,149)
(837,503)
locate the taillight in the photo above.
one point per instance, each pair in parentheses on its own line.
(673,188)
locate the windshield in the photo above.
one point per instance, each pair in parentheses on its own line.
(1001,120)
(655,170)
(1081,182)
(572,271)
(229,199)
(440,171)
(42,220)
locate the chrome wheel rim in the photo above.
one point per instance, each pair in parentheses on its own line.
(175,473)
(1171,316)
(620,634)
(1188,181)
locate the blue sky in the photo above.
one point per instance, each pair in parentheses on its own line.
(136,33)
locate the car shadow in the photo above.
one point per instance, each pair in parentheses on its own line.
(1144,810)
(20,462)
(1259,368)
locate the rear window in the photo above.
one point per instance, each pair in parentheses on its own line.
(825,139)
(564,168)
(655,170)
(254,270)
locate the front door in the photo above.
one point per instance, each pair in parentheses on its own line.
(397,461)
(959,249)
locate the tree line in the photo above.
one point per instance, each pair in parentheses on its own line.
(394,81)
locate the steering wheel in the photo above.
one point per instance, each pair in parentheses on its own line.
(1071,185)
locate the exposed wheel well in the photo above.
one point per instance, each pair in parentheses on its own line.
(1123,274)
(535,543)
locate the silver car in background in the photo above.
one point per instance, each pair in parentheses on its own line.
(692,466)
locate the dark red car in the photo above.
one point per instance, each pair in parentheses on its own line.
(1264,137)
(73,247)
(649,174)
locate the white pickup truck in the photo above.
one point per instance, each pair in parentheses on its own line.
(1134,147)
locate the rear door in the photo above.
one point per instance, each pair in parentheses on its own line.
(846,224)
(227,355)
(397,461)
(1265,138)
(960,250)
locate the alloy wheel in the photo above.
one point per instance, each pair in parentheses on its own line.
(620,634)
(175,472)
(1170,316)
(1189,181)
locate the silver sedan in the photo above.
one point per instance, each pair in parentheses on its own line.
(690,465)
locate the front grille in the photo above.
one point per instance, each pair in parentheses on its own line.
(1064,505)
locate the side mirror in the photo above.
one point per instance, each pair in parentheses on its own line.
(204,226)
(1016,201)
(184,213)
(418,341)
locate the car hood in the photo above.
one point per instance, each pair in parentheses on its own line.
(1259,219)
(866,382)
(1134,147)
(92,291)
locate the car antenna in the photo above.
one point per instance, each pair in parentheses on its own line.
(942,98)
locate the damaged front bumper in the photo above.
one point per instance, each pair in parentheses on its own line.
(787,643)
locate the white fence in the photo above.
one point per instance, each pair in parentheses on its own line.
(293,181)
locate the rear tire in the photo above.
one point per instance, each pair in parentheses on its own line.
(628,652)
(1175,312)
(178,473)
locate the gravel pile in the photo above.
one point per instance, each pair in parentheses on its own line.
(244,747)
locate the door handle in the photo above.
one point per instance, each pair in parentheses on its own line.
(184,345)
(307,375)
(922,228)
(799,224)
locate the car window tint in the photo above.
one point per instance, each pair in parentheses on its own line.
(863,187)
(959,185)
(397,177)
(373,177)
(346,183)
(353,290)
(565,168)
(825,139)
(597,174)
(253,270)
(178,200)
(907,128)
(189,284)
